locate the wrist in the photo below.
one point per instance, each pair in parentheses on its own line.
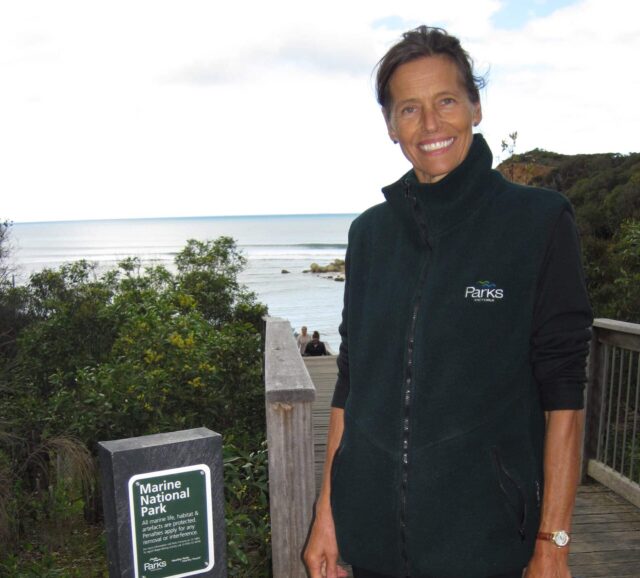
(323,508)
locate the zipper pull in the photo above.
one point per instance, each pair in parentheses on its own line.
(408,194)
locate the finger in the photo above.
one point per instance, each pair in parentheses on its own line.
(335,571)
(315,568)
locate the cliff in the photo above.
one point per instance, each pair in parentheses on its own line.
(562,172)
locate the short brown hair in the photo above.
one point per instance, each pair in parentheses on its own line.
(418,43)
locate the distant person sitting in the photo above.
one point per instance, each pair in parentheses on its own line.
(315,346)
(303,340)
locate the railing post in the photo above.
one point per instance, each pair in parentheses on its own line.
(593,403)
(289,394)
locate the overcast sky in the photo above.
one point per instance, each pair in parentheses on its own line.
(158,108)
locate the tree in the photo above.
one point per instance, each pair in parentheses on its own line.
(5,250)
(625,255)
(509,146)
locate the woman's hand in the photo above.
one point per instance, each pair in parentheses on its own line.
(321,553)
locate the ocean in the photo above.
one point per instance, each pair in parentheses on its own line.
(270,243)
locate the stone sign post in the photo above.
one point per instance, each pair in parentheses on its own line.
(163,498)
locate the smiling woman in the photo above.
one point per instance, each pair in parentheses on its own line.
(465,320)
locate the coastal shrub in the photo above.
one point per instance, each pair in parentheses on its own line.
(91,356)
(246,511)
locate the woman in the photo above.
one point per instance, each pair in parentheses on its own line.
(453,447)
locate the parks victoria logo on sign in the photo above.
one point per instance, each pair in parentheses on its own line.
(171,522)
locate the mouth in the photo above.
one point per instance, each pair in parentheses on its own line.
(436,146)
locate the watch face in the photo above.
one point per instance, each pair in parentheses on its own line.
(561,538)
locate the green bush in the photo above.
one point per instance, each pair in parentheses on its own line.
(129,352)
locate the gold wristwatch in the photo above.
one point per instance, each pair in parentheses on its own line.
(560,538)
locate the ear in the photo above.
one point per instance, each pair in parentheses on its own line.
(390,130)
(477,114)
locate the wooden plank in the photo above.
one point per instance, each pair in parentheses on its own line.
(291,484)
(619,326)
(621,485)
(604,507)
(289,393)
(600,514)
(286,378)
(597,558)
(607,498)
(607,570)
(624,540)
(592,527)
(591,488)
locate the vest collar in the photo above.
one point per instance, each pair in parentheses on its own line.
(429,210)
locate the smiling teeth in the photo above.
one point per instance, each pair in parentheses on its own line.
(434,146)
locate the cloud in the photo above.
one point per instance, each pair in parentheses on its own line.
(323,53)
(221,71)
(160,108)
(329,54)
(395,22)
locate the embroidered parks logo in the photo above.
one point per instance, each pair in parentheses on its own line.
(483,291)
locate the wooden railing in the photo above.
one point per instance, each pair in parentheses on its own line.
(289,394)
(612,427)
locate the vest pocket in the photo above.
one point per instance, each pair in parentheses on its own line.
(512,491)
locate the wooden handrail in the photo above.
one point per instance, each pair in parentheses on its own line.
(289,394)
(615,325)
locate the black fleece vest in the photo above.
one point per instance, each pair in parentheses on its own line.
(439,471)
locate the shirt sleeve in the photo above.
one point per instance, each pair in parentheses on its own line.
(562,321)
(341,391)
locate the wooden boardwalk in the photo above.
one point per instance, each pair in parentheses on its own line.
(606,528)
(323,372)
(606,535)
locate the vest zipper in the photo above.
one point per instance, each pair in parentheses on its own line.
(408,382)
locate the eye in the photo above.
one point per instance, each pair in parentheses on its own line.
(448,101)
(408,109)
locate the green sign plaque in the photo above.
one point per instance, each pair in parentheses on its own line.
(171,522)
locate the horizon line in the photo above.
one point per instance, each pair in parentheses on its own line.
(186,218)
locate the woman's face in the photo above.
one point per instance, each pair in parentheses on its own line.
(431,116)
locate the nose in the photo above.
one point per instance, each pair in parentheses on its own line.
(430,120)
